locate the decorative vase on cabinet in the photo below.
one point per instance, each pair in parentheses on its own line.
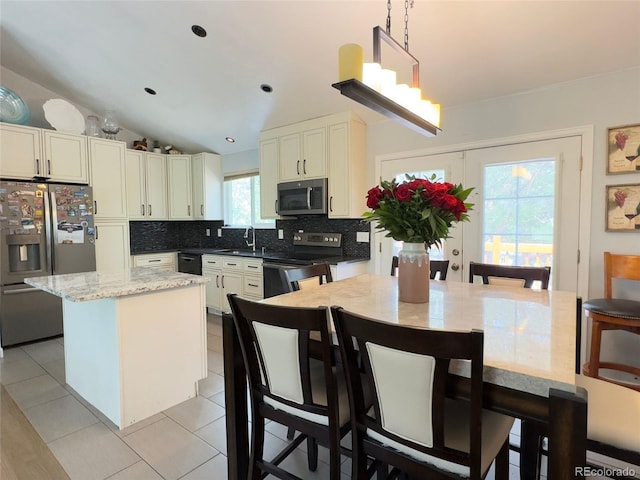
(413,273)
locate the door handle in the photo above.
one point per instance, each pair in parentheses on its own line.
(455,267)
(455,252)
(309,198)
(22,290)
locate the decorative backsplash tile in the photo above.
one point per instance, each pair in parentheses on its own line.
(173,235)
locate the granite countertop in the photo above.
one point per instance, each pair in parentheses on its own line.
(83,287)
(268,255)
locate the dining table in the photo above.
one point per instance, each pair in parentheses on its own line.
(529,356)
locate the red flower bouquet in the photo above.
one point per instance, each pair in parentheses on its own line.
(417,210)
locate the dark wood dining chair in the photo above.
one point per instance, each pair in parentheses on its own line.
(413,427)
(611,313)
(292,276)
(613,416)
(509,275)
(436,267)
(289,387)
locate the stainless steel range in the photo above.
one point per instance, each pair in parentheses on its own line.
(308,248)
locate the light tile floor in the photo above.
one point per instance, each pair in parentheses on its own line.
(187,441)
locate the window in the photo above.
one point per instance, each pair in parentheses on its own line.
(242,201)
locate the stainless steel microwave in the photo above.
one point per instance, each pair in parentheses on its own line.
(302,197)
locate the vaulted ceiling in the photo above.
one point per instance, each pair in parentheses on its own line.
(102,55)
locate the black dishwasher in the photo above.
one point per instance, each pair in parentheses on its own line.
(190,263)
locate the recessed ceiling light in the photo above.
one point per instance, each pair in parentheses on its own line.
(199,31)
(265,87)
(230,139)
(150,91)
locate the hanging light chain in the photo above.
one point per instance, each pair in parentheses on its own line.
(389,17)
(407,4)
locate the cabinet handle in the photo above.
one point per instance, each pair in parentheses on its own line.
(95,207)
(251,266)
(142,209)
(202,210)
(217,283)
(276,205)
(232,264)
(304,166)
(149,209)
(298,167)
(96,227)
(37,166)
(222,281)
(155,260)
(331,203)
(188,210)
(253,284)
(49,167)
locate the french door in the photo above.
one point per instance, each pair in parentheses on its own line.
(526,206)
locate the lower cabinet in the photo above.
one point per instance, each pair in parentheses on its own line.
(228,274)
(112,245)
(349,269)
(164,261)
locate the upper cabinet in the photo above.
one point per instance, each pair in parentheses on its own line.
(333,147)
(29,152)
(269,178)
(206,184)
(108,178)
(180,198)
(146,185)
(303,155)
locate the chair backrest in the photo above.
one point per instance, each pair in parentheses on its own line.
(275,346)
(510,275)
(291,276)
(435,266)
(405,370)
(619,266)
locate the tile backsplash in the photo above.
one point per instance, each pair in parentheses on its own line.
(148,237)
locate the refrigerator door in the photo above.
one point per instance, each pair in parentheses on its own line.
(28,314)
(73,232)
(23,231)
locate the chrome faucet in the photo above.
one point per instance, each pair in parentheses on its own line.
(253,237)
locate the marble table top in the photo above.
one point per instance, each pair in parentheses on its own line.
(529,334)
(83,287)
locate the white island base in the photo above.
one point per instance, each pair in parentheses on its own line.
(134,344)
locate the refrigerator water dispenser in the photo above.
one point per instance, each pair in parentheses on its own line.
(24,253)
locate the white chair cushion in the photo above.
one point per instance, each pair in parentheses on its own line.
(506,282)
(495,429)
(613,413)
(319,394)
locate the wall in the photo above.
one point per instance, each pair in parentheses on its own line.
(240,162)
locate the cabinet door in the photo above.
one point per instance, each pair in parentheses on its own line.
(197,186)
(314,153)
(65,157)
(290,162)
(136,195)
(20,152)
(213,288)
(268,178)
(108,173)
(231,283)
(156,186)
(179,186)
(339,177)
(207,184)
(112,246)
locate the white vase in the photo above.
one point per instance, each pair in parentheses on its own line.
(413,273)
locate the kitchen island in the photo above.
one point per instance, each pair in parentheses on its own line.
(134,340)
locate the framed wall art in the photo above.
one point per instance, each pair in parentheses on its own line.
(623,208)
(623,149)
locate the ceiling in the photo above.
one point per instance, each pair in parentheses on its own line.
(102,54)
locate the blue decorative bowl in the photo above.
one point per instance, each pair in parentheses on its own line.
(12,107)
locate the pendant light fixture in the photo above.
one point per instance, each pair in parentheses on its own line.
(376,88)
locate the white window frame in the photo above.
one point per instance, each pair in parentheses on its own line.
(255,214)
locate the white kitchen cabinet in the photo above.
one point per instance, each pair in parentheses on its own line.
(207,183)
(163,261)
(180,198)
(146,185)
(230,274)
(112,245)
(268,178)
(349,269)
(29,152)
(303,155)
(108,178)
(347,169)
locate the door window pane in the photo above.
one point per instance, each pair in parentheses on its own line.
(518,220)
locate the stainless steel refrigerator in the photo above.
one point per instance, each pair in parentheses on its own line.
(45,229)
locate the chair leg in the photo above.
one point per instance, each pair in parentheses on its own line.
(502,462)
(594,353)
(530,450)
(257,448)
(312,453)
(290,433)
